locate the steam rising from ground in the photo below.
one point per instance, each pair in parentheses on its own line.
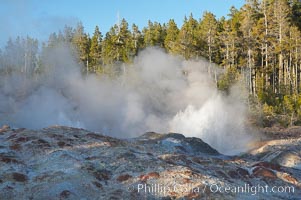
(152,94)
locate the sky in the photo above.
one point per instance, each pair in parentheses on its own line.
(39,18)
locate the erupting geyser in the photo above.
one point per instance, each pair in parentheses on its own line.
(158,92)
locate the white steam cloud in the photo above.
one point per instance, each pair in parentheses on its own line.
(158,92)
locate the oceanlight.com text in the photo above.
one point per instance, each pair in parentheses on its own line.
(161,189)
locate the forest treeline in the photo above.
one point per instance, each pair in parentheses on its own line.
(259,44)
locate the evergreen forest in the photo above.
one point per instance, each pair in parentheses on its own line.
(258,45)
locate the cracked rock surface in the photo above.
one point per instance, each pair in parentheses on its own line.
(69,163)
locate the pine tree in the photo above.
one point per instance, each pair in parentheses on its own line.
(117,48)
(172,33)
(95,50)
(82,42)
(208,32)
(147,34)
(187,41)
(281,31)
(296,12)
(30,55)
(68,34)
(124,41)
(109,49)
(52,40)
(295,58)
(154,34)
(229,40)
(250,13)
(137,40)
(10,56)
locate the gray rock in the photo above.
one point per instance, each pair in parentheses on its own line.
(68,163)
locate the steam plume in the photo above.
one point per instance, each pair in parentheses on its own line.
(158,92)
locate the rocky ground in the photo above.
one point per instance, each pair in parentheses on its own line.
(68,163)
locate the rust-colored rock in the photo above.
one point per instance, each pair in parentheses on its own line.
(61,144)
(102,175)
(22,139)
(268,165)
(124,177)
(65,194)
(243,172)
(264,173)
(8,159)
(186,180)
(41,143)
(233,174)
(238,173)
(15,147)
(19,177)
(290,179)
(150,175)
(97,184)
(192,196)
